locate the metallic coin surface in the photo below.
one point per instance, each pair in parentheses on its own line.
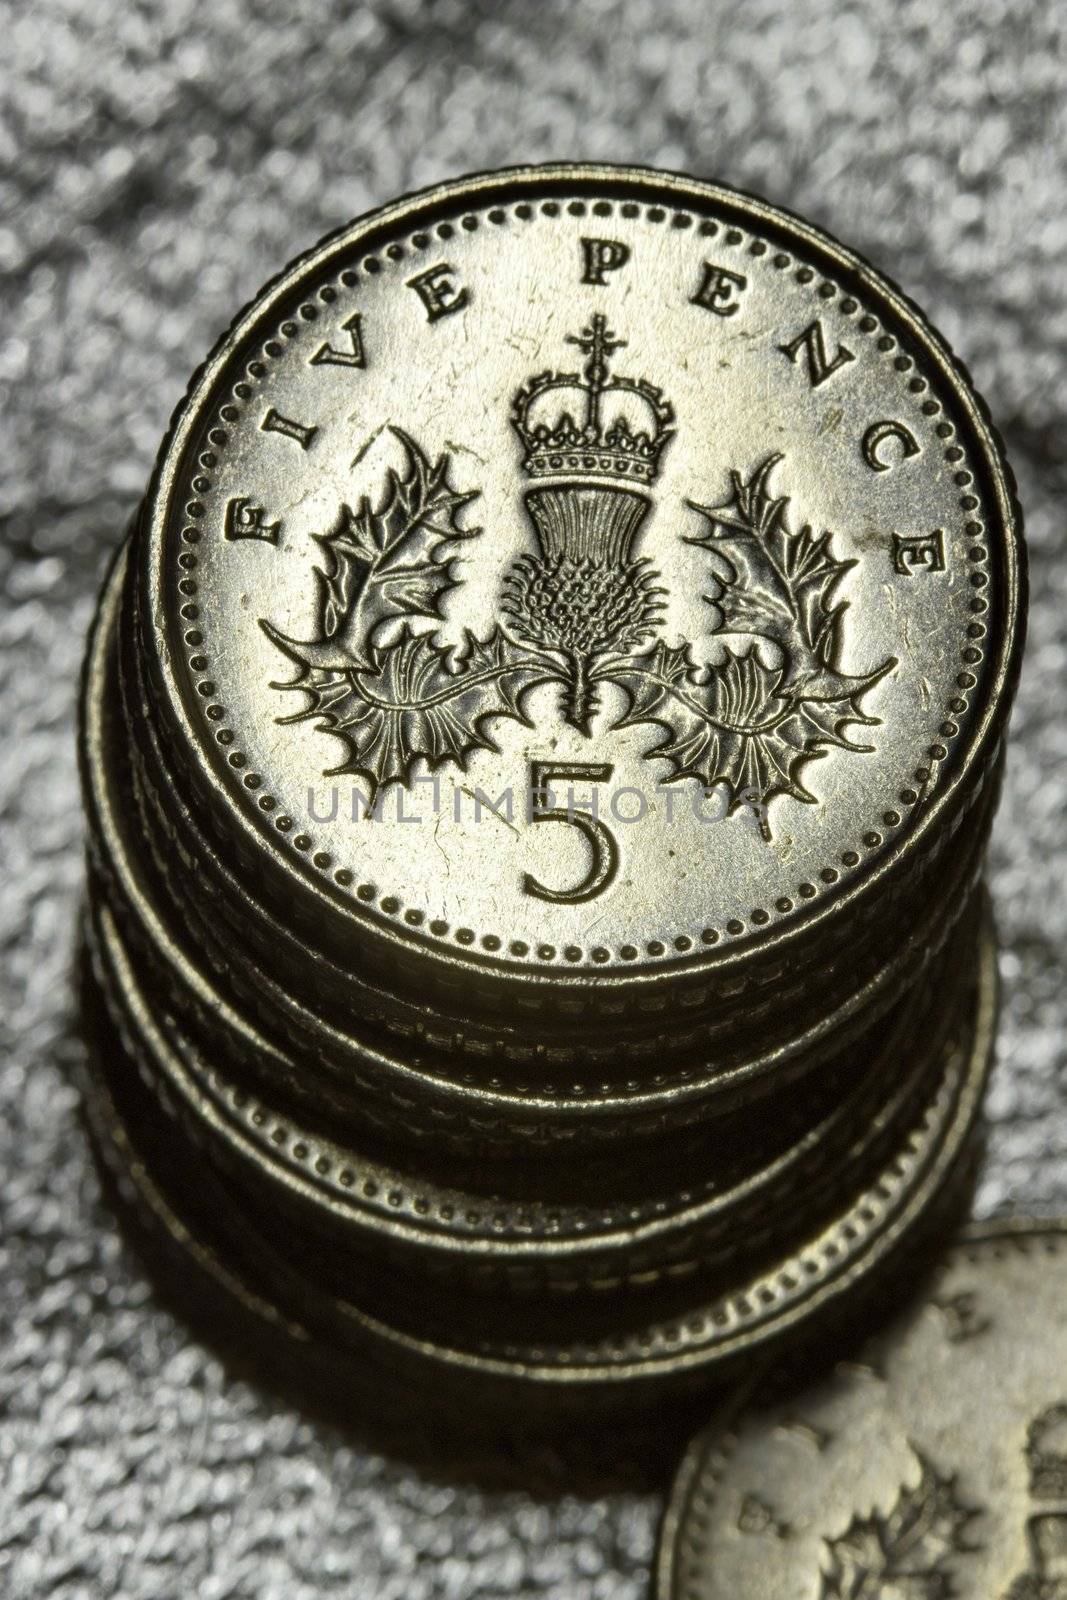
(581,572)
(413,1092)
(269,962)
(933,1464)
(657,1354)
(703,1209)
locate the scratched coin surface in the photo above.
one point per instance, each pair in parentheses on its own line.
(934,1464)
(580,570)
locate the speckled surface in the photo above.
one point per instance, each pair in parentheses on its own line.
(156,164)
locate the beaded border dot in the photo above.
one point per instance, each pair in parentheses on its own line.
(390,906)
(338,1173)
(298,1149)
(789,1284)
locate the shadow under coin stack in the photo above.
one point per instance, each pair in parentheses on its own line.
(539,743)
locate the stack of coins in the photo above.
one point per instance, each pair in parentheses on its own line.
(539,743)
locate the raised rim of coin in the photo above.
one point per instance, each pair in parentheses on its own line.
(600,1246)
(626,1101)
(831,905)
(845,1255)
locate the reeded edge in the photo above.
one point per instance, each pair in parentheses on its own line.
(664,1571)
(936,1173)
(584,1249)
(600,178)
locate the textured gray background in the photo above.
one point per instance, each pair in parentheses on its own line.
(156,164)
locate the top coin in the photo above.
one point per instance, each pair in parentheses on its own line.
(581,570)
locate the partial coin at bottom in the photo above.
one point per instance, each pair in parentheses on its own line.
(933,1463)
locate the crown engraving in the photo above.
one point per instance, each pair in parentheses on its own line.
(592,446)
(1046,1527)
(593,425)
(1046,1454)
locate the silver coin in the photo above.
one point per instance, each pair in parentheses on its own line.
(413,1093)
(661,1354)
(254,944)
(702,1210)
(581,490)
(932,1463)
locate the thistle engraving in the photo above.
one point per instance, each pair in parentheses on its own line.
(584,596)
(908,1554)
(581,610)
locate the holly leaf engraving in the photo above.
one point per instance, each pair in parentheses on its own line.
(750,721)
(737,723)
(780,585)
(382,561)
(905,1555)
(407,701)
(747,531)
(753,720)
